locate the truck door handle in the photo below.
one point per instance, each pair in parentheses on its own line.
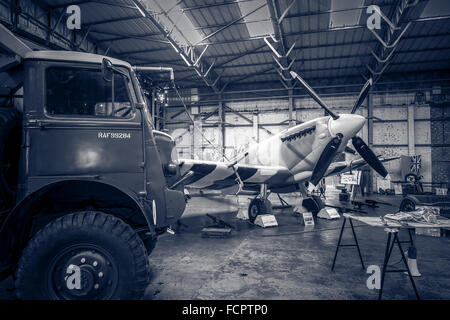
(40,124)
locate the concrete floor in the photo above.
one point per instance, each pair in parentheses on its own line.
(287,262)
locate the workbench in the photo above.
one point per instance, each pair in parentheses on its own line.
(391,228)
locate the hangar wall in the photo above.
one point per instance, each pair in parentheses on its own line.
(402,125)
(440,139)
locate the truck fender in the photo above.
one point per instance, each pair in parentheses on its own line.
(17,222)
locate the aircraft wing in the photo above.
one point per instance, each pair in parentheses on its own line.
(214,175)
(344,166)
(338,167)
(219,175)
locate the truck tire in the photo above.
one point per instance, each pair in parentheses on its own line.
(10,141)
(83,255)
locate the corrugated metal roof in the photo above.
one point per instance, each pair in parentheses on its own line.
(321,51)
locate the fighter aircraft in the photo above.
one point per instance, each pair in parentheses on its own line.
(286,161)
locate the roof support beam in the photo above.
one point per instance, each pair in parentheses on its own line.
(281,52)
(81,2)
(35,27)
(52,30)
(345,68)
(350,56)
(258,49)
(388,45)
(277,28)
(207,6)
(340,57)
(97,23)
(285,12)
(230,24)
(299,15)
(118,37)
(188,55)
(323,30)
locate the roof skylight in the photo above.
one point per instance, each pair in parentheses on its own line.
(173,19)
(347,13)
(436,8)
(259,28)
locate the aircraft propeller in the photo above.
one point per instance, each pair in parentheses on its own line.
(331,149)
(362,95)
(367,154)
(325,159)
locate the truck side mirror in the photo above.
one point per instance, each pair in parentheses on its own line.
(107,70)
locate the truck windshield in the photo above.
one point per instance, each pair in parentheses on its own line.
(84,92)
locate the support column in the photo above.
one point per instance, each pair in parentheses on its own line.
(153,108)
(221,125)
(255,127)
(163,117)
(411,137)
(291,107)
(198,137)
(369,102)
(192,131)
(157,114)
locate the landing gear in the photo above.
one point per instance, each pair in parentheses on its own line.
(311,203)
(260,205)
(257,207)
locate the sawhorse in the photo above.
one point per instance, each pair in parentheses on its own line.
(393,235)
(391,241)
(339,245)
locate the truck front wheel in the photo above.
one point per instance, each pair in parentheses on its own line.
(83,255)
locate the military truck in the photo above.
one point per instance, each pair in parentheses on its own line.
(86,183)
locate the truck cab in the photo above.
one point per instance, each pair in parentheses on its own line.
(92,185)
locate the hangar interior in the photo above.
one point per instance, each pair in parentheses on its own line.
(232,63)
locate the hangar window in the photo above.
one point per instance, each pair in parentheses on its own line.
(84,92)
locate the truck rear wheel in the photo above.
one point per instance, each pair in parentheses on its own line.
(83,255)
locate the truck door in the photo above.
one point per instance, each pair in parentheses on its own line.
(88,127)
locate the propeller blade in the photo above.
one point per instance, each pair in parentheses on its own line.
(313,94)
(325,159)
(367,154)
(362,95)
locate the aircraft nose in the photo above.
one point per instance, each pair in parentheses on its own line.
(347,124)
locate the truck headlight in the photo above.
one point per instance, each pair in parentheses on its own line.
(171,169)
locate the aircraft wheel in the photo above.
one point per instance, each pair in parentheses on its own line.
(257,207)
(411,177)
(313,204)
(407,205)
